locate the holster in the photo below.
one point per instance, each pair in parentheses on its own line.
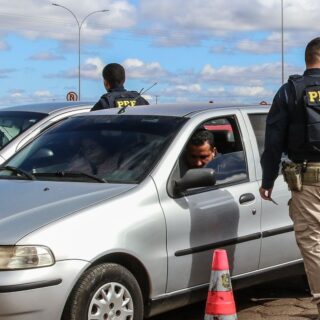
(292,174)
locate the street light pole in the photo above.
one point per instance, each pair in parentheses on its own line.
(79,24)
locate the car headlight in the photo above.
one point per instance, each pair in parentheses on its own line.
(25,257)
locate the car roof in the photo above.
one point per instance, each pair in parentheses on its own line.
(48,107)
(179,109)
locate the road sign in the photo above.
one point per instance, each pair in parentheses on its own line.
(72,96)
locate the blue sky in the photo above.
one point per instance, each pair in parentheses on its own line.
(196,50)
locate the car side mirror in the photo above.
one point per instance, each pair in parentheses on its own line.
(194,178)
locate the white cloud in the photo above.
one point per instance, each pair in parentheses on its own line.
(183,89)
(92,68)
(44,20)
(247,91)
(4,46)
(182,99)
(133,63)
(258,47)
(235,15)
(170,22)
(254,75)
(270,44)
(42,94)
(4,73)
(137,69)
(20,96)
(16,94)
(216,91)
(46,56)
(223,93)
(180,22)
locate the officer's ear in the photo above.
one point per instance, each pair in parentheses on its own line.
(106,84)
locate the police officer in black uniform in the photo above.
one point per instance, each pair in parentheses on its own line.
(293,127)
(113,78)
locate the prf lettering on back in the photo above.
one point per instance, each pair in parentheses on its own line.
(314,96)
(125,103)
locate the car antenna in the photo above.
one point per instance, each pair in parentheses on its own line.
(123,109)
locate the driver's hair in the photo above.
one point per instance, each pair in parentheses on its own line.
(200,137)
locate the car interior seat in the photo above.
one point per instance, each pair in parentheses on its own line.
(224,141)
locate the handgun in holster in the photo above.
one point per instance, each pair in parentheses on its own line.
(292,174)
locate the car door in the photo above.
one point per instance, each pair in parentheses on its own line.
(278,244)
(226,215)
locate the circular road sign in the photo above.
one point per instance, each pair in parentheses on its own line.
(72,96)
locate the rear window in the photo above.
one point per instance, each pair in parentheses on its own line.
(258,122)
(13,123)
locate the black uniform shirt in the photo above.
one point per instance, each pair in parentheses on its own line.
(276,131)
(111,99)
(102,105)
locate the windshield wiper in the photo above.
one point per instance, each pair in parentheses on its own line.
(18,172)
(71,174)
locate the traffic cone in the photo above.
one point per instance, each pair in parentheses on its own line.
(220,301)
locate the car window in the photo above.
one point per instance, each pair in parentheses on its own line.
(13,123)
(258,122)
(120,149)
(229,162)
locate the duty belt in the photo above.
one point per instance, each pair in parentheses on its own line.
(311,174)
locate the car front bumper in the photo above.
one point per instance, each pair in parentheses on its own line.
(38,294)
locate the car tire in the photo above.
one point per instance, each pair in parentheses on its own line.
(105,291)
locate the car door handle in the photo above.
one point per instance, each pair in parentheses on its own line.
(246,197)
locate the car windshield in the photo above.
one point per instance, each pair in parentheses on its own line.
(13,123)
(110,148)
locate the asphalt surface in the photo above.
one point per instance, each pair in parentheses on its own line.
(287,299)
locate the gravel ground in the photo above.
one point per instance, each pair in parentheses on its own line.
(285,300)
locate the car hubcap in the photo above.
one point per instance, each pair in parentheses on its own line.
(112,301)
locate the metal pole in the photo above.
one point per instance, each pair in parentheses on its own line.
(282,46)
(79,24)
(79,64)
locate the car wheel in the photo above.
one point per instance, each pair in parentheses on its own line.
(105,292)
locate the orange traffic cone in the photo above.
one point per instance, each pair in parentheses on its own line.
(220,301)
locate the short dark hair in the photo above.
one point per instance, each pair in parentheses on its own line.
(200,137)
(114,73)
(312,53)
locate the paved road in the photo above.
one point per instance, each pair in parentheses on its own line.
(287,299)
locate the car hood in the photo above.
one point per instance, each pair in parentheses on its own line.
(29,205)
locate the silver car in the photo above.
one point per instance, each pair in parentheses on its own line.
(100,219)
(20,124)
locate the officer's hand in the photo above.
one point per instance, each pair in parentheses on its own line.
(265,193)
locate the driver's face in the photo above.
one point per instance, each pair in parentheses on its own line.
(199,156)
